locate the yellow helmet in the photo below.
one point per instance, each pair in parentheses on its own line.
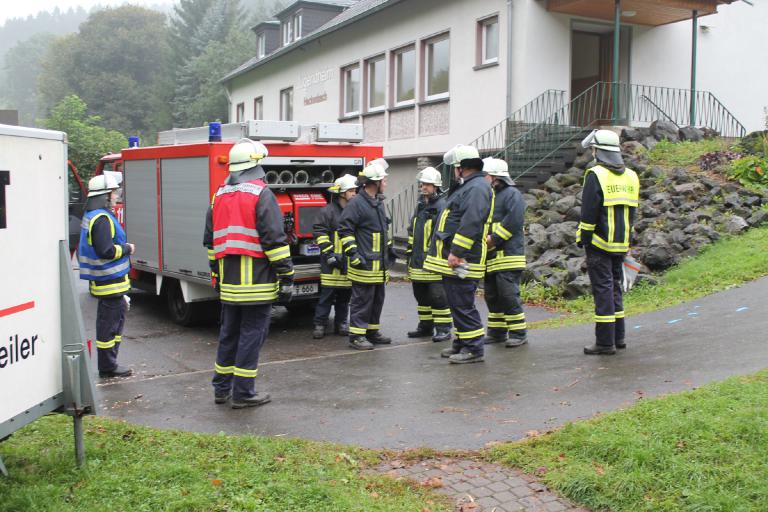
(246,154)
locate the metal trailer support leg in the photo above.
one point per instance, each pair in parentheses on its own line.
(79,441)
(3,471)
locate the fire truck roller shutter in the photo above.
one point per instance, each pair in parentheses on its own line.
(286,177)
(140,182)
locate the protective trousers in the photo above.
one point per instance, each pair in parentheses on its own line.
(466,318)
(505,309)
(605,274)
(365,308)
(336,298)
(110,318)
(432,304)
(243,332)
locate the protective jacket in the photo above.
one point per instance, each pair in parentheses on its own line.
(364,235)
(420,230)
(103,253)
(326,231)
(462,228)
(245,237)
(508,252)
(609,203)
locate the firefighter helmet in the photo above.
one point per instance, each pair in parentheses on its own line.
(344,183)
(459,153)
(602,139)
(430,175)
(246,154)
(498,169)
(102,184)
(376,170)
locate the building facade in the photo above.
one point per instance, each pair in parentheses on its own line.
(424,75)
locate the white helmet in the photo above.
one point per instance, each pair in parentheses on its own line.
(246,154)
(460,152)
(602,139)
(376,170)
(344,183)
(102,184)
(497,168)
(430,175)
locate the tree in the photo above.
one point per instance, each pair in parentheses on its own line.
(23,65)
(88,141)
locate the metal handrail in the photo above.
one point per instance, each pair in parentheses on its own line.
(661,111)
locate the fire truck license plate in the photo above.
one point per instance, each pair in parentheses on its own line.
(305,289)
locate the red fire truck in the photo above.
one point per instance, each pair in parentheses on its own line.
(167,189)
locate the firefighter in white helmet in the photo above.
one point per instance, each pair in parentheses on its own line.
(506,259)
(364,232)
(610,199)
(335,286)
(252,268)
(458,251)
(103,254)
(433,311)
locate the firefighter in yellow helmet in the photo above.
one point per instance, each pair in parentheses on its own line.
(335,286)
(245,237)
(610,199)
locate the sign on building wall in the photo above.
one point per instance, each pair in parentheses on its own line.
(315,86)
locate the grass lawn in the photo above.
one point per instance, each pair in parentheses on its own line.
(729,262)
(132,468)
(701,450)
(685,154)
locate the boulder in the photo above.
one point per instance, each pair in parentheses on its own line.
(680,176)
(732,200)
(758,218)
(634,134)
(659,257)
(530,200)
(689,189)
(577,287)
(660,198)
(576,266)
(575,171)
(691,133)
(551,258)
(650,142)
(710,133)
(567,180)
(561,235)
(583,160)
(537,233)
(703,230)
(751,201)
(665,130)
(735,224)
(556,279)
(573,215)
(632,148)
(549,217)
(565,204)
(552,185)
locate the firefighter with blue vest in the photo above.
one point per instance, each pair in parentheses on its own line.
(335,286)
(252,268)
(434,314)
(458,251)
(610,199)
(103,254)
(506,259)
(367,246)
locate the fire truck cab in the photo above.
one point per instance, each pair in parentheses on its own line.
(167,190)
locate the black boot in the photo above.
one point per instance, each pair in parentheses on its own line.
(318,332)
(466,357)
(621,344)
(442,333)
(491,338)
(423,330)
(341,329)
(221,399)
(513,342)
(377,338)
(599,350)
(254,401)
(359,342)
(118,372)
(448,352)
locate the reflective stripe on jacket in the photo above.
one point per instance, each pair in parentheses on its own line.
(507,231)
(234,224)
(420,232)
(326,232)
(364,235)
(107,277)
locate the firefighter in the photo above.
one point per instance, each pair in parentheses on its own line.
(458,250)
(434,314)
(609,202)
(336,288)
(103,255)
(506,259)
(252,268)
(368,249)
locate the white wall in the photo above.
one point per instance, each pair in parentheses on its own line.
(478,98)
(732,62)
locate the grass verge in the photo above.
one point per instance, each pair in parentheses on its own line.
(729,262)
(144,469)
(701,450)
(685,154)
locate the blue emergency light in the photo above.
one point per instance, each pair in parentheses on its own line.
(214,132)
(134,142)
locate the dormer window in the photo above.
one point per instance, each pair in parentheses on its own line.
(287,32)
(261,45)
(291,28)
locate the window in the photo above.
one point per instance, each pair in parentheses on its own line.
(291,29)
(488,34)
(376,83)
(405,76)
(351,77)
(297,26)
(438,65)
(287,32)
(258,108)
(240,112)
(261,45)
(286,104)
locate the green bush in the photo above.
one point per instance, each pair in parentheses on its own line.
(756,143)
(750,170)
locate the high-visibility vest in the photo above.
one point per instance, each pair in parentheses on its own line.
(92,267)
(618,190)
(234,220)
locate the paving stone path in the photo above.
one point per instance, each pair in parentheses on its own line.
(480,486)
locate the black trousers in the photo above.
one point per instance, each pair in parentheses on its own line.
(336,298)
(110,319)
(466,317)
(505,309)
(365,308)
(432,303)
(605,275)
(244,330)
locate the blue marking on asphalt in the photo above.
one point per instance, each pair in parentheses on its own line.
(638,326)
(693,314)
(743,308)
(675,321)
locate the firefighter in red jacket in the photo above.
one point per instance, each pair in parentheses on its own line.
(252,268)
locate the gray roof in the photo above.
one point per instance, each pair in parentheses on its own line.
(359,10)
(342,4)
